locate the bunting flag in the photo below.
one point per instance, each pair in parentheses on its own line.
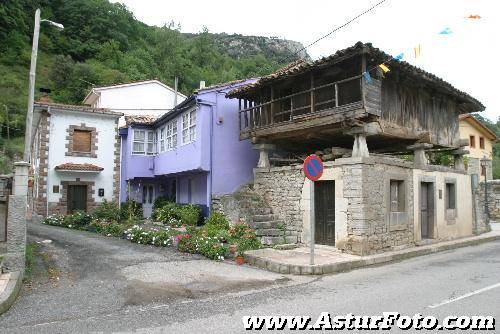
(368,77)
(400,56)
(473,17)
(384,68)
(418,51)
(445,31)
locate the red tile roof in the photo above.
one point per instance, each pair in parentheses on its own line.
(79,167)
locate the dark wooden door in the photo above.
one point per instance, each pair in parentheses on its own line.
(77,198)
(324,198)
(426,210)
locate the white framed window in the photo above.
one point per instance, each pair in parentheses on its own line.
(162,139)
(189,127)
(172,135)
(138,143)
(152,139)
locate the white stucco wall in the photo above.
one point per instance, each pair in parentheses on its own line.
(106,133)
(151,98)
(446,229)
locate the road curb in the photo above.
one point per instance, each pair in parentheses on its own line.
(9,295)
(342,266)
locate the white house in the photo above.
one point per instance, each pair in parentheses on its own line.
(75,158)
(145,98)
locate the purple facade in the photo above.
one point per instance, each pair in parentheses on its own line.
(208,158)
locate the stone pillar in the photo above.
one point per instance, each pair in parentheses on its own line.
(264,154)
(16,219)
(458,157)
(420,159)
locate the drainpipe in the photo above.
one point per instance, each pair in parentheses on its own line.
(210,176)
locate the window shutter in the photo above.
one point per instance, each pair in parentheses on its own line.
(82,141)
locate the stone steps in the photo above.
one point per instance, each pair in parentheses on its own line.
(274,224)
(269,232)
(265,218)
(271,241)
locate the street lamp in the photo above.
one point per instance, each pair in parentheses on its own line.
(484,167)
(31,92)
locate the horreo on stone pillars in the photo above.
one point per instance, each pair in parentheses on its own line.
(420,159)
(264,154)
(16,219)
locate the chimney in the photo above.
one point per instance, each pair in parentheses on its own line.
(202,84)
(45,98)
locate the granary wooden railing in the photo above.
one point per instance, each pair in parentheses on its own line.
(253,116)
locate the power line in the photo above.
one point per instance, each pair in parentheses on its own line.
(333,31)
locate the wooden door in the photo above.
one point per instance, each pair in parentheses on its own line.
(77,198)
(426,210)
(324,198)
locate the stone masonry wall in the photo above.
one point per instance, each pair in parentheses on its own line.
(366,186)
(281,188)
(493,205)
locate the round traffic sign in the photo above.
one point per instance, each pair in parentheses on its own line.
(313,167)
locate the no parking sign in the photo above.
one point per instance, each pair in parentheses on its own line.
(313,167)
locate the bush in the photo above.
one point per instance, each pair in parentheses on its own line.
(186,243)
(79,220)
(109,211)
(161,237)
(108,228)
(176,215)
(190,214)
(215,224)
(130,209)
(55,220)
(158,204)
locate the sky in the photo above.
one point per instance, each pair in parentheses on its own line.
(466,58)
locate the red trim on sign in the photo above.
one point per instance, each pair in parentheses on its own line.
(308,161)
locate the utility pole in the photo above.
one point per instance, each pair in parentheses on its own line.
(31,92)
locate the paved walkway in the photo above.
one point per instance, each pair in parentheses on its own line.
(330,260)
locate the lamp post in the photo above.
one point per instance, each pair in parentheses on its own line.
(31,92)
(484,166)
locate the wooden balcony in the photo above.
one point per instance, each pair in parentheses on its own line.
(316,107)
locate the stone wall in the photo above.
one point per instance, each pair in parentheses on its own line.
(493,205)
(281,188)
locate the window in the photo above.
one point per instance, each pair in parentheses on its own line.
(450,195)
(397,195)
(189,127)
(481,143)
(138,144)
(151,144)
(472,141)
(172,135)
(82,141)
(162,139)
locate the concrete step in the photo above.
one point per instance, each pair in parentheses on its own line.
(265,218)
(270,241)
(266,225)
(269,232)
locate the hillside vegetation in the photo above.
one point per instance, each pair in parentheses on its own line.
(103,43)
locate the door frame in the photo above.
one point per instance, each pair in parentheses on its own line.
(418,227)
(144,199)
(62,206)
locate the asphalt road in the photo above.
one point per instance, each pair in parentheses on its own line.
(110,285)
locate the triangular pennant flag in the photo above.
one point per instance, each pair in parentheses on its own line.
(384,68)
(473,17)
(400,56)
(368,77)
(418,51)
(445,31)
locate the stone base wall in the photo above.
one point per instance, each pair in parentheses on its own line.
(61,207)
(363,202)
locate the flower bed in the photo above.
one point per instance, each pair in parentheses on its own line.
(212,240)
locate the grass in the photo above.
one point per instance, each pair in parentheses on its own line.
(31,261)
(40,265)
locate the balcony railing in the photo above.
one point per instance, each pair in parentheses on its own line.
(328,97)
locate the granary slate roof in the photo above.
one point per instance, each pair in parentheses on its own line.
(86,167)
(302,66)
(139,120)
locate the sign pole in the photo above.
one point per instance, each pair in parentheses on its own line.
(313,223)
(313,170)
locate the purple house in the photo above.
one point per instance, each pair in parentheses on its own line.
(190,154)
